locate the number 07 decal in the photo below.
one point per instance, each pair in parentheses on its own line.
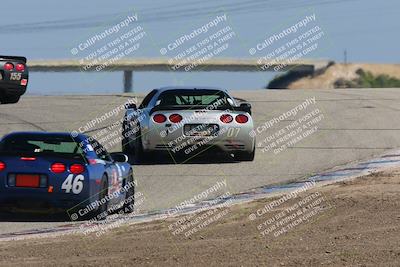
(233,132)
(74,184)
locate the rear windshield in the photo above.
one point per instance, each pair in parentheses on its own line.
(198,97)
(40,144)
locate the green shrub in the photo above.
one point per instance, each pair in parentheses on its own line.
(367,80)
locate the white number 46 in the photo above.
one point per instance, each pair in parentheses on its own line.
(76,185)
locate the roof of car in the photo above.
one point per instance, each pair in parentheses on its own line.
(60,134)
(167,88)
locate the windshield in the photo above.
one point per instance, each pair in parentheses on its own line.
(40,144)
(194,98)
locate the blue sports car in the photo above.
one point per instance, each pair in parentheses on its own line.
(42,171)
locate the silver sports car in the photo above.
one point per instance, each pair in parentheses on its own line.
(188,121)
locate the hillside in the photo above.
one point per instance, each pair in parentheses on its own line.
(335,72)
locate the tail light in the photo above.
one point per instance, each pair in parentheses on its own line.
(20,67)
(159,118)
(226,118)
(2,166)
(28,158)
(175,118)
(8,66)
(77,168)
(58,168)
(241,118)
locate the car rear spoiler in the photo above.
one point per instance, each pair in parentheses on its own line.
(41,154)
(23,59)
(245,107)
(183,107)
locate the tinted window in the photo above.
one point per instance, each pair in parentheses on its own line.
(147,99)
(40,144)
(192,98)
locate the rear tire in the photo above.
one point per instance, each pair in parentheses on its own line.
(125,140)
(10,99)
(126,148)
(129,197)
(245,156)
(140,155)
(101,212)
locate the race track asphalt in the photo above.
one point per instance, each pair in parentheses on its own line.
(356,124)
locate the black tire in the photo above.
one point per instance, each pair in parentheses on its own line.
(125,141)
(245,156)
(101,212)
(140,155)
(129,197)
(10,99)
(126,149)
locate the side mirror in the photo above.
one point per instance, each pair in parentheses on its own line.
(130,106)
(119,157)
(246,107)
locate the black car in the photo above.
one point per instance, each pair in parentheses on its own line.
(13,78)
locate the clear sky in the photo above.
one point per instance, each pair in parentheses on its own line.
(48,29)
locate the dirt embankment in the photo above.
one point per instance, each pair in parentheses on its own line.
(335,72)
(356,224)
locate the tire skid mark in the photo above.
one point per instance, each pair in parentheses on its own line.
(16,118)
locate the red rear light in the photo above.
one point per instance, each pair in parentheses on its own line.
(28,158)
(76,168)
(241,118)
(2,166)
(159,118)
(58,168)
(8,66)
(175,118)
(226,118)
(20,67)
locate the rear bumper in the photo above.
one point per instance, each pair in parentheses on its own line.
(38,202)
(11,89)
(227,140)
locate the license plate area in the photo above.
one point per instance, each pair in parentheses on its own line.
(27,180)
(1,75)
(201,129)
